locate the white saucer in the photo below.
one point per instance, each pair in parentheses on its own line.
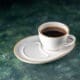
(27,50)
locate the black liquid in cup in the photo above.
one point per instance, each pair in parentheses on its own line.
(53,31)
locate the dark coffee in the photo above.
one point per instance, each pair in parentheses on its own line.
(53,32)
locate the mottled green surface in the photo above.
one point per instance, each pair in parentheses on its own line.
(22,20)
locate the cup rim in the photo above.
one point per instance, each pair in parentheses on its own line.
(53,22)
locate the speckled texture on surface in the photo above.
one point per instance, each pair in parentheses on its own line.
(20,20)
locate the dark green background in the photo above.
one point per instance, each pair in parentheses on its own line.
(19,19)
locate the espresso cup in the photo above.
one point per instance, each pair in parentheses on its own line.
(53,35)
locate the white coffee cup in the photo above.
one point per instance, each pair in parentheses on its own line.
(53,43)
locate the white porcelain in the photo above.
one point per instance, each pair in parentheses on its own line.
(52,43)
(29,51)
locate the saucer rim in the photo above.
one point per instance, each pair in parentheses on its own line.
(38,62)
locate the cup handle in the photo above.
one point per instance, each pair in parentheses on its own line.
(70,40)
